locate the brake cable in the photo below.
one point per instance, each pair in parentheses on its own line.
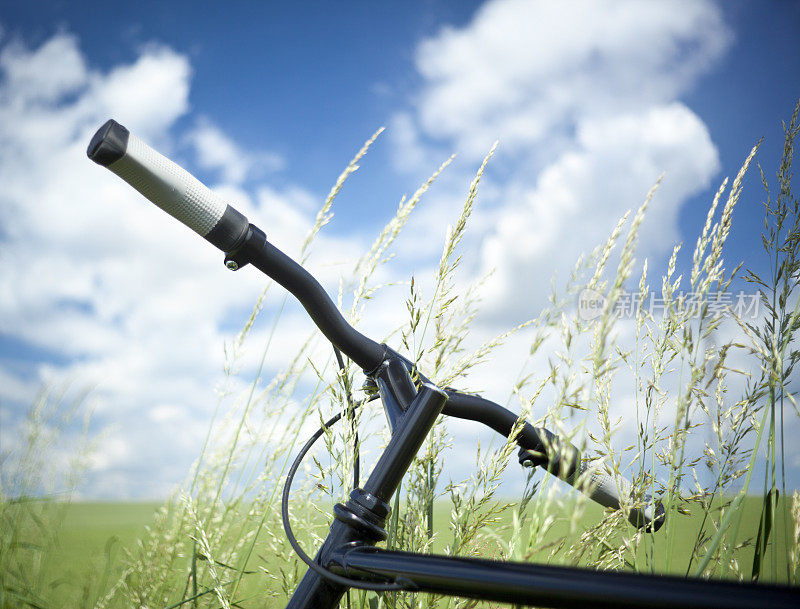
(287,527)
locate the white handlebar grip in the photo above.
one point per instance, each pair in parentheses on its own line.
(602,488)
(168,185)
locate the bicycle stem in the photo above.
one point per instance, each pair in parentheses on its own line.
(360,521)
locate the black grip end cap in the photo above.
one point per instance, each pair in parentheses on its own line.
(109,144)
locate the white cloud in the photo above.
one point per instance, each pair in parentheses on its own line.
(148,95)
(115,452)
(136,301)
(13,388)
(408,151)
(217,151)
(167,413)
(99,277)
(52,71)
(584,98)
(577,200)
(523,69)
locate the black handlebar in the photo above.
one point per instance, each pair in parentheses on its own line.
(267,258)
(180,194)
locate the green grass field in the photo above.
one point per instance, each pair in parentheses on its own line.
(74,552)
(93,539)
(89,553)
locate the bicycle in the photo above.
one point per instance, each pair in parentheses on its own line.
(349,558)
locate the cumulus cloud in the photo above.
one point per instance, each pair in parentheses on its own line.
(585,100)
(55,69)
(525,68)
(217,151)
(14,388)
(148,95)
(134,300)
(577,199)
(92,253)
(111,291)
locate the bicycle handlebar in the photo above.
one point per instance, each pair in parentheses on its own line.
(184,197)
(538,446)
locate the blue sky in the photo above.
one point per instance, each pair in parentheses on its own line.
(267,102)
